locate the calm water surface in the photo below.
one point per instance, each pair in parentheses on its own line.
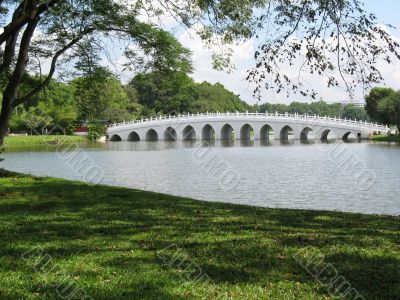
(358,177)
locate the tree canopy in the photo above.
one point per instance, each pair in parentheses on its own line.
(178,93)
(372,100)
(98,95)
(336,39)
(383,105)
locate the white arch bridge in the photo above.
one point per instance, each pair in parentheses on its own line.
(242,126)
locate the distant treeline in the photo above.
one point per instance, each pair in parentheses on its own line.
(321,108)
(101,96)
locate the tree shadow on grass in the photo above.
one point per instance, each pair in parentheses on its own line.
(101,233)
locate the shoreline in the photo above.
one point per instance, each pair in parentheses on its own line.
(386,138)
(35,140)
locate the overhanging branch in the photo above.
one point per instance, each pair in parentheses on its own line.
(16,24)
(60,52)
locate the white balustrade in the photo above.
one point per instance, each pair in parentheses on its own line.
(247,114)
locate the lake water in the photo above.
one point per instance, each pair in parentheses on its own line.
(358,177)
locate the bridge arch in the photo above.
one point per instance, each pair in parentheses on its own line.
(285,131)
(208,132)
(349,136)
(133,137)
(151,135)
(328,134)
(188,133)
(227,132)
(170,134)
(304,134)
(265,132)
(245,132)
(115,138)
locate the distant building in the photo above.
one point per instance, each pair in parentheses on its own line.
(83,131)
(358,104)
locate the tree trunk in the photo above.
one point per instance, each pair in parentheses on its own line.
(5,116)
(10,91)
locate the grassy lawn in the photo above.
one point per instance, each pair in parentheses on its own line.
(117,243)
(386,138)
(29,140)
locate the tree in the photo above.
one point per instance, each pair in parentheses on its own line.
(375,96)
(214,97)
(351,111)
(77,32)
(178,93)
(100,96)
(96,130)
(165,93)
(55,103)
(389,107)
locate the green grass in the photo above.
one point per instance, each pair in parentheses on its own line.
(386,138)
(11,141)
(114,243)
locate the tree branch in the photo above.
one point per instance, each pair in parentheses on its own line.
(22,61)
(44,83)
(29,15)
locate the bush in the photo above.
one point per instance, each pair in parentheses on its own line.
(96,131)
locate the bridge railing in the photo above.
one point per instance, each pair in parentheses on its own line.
(256,114)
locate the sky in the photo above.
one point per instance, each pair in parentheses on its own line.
(387,13)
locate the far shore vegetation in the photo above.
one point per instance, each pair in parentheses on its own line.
(32,140)
(386,138)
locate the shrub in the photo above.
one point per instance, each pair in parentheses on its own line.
(96,131)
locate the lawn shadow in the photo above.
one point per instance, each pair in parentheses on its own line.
(123,237)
